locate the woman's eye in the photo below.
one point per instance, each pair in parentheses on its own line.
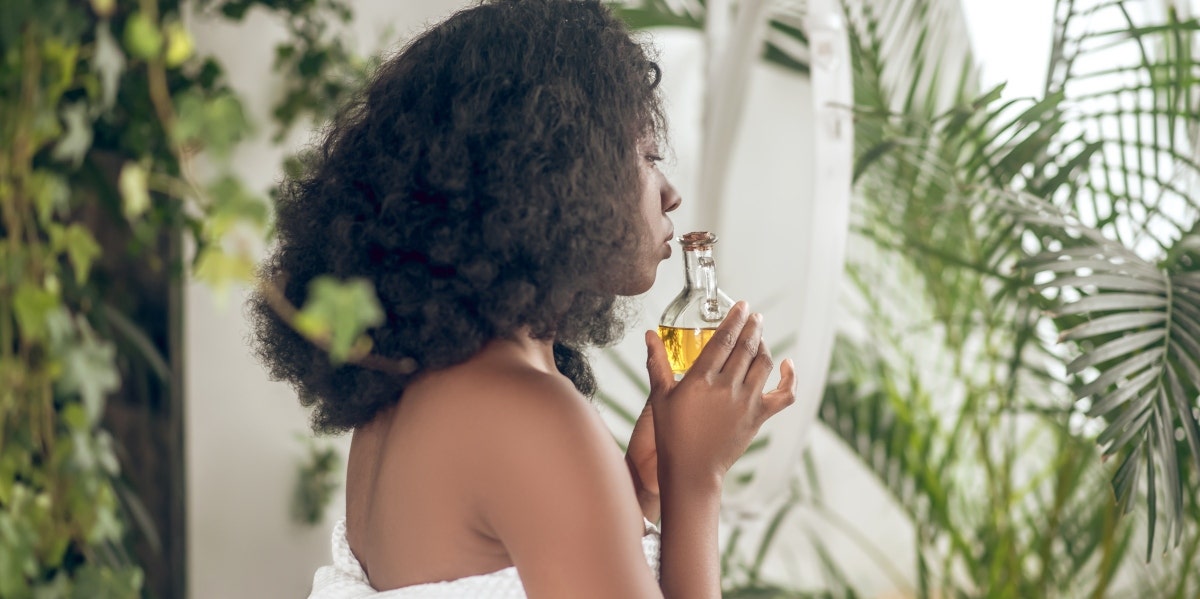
(653,158)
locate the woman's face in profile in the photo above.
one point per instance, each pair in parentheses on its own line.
(658,197)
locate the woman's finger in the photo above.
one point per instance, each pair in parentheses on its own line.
(657,365)
(784,394)
(746,350)
(723,341)
(760,369)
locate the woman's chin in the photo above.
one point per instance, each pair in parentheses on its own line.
(631,286)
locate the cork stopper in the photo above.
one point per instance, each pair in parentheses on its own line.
(698,240)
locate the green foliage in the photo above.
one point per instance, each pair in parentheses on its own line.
(103,106)
(212,120)
(785,45)
(979,215)
(1140,327)
(338,313)
(322,72)
(317,479)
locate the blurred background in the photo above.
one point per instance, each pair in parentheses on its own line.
(972,224)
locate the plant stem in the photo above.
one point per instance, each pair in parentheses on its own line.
(1109,554)
(18,169)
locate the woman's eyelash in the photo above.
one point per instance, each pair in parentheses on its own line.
(654,158)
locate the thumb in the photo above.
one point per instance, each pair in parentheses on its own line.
(657,365)
(785,394)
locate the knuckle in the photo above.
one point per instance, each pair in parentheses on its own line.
(728,340)
(751,346)
(766,361)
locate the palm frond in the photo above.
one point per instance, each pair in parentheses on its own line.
(784,44)
(875,422)
(1131,85)
(1139,333)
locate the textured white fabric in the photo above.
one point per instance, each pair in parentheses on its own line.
(345,579)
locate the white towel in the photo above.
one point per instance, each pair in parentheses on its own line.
(345,579)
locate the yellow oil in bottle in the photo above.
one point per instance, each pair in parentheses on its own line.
(684,345)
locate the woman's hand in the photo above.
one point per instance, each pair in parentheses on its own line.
(704,422)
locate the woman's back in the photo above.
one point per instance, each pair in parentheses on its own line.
(422,476)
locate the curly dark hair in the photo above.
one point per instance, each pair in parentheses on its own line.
(485,180)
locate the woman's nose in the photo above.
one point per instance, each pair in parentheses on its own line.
(670,196)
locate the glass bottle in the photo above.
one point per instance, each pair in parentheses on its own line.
(691,318)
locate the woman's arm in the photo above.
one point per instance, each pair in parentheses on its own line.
(641,458)
(702,425)
(553,488)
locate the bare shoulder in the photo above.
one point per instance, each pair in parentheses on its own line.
(491,422)
(535,406)
(491,403)
(549,483)
(521,422)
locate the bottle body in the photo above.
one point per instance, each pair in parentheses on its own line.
(690,320)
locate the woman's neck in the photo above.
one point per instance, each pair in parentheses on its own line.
(538,353)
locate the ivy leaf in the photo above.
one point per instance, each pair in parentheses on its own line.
(77,140)
(60,327)
(50,194)
(109,62)
(60,57)
(81,248)
(233,203)
(17,561)
(106,454)
(46,126)
(89,370)
(105,525)
(32,305)
(180,45)
(92,449)
(220,269)
(75,418)
(142,37)
(104,8)
(338,313)
(216,123)
(316,482)
(135,196)
(94,582)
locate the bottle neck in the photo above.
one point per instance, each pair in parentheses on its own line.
(701,273)
(699,268)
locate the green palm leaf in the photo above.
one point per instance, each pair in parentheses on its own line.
(1126,175)
(1139,331)
(785,44)
(937,187)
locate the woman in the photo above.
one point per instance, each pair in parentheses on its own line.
(497,183)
